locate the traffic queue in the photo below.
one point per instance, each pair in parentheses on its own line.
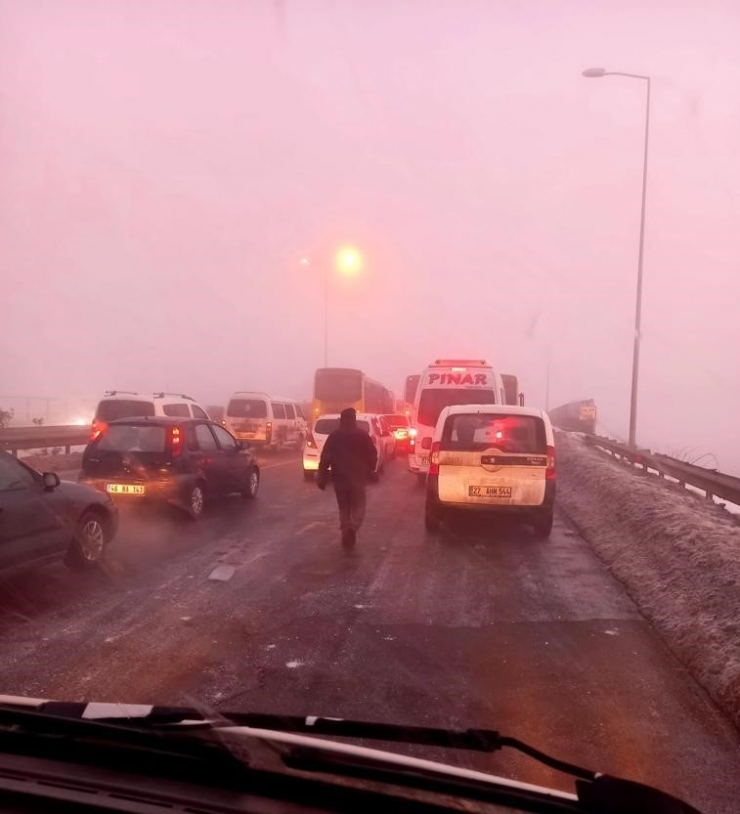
(462,426)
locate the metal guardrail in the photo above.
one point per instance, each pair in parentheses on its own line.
(712,482)
(13,439)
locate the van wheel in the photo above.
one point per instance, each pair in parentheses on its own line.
(543,524)
(308,475)
(89,542)
(432,519)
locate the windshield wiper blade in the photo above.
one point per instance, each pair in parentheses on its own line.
(477,740)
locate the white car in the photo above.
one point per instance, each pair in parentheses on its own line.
(265,421)
(326,424)
(126,404)
(494,458)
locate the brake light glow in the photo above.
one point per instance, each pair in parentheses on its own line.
(268,431)
(550,472)
(310,441)
(98,428)
(176,440)
(412,432)
(434,459)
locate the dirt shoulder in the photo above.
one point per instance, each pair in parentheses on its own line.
(677,555)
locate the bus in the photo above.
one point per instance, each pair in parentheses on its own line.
(336,388)
(409,392)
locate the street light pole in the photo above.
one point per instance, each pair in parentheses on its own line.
(326,316)
(598,73)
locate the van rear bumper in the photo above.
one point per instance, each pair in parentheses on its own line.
(548,501)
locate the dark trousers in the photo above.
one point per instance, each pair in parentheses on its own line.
(351,501)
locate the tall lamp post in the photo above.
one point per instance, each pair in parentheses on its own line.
(595,73)
(348,262)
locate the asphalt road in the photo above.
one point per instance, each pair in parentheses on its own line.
(482,627)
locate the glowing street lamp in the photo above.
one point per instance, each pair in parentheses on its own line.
(349,261)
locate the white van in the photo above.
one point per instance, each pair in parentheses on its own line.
(264,420)
(127,404)
(499,459)
(444,383)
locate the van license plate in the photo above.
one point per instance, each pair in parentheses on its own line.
(489,491)
(125,489)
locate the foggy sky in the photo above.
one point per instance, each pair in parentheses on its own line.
(165,165)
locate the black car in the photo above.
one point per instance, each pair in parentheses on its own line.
(42,517)
(179,461)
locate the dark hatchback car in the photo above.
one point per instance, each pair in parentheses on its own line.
(182,462)
(42,518)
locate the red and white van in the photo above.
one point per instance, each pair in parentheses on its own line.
(444,383)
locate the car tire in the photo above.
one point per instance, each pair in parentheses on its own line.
(253,484)
(542,524)
(91,537)
(432,518)
(308,475)
(195,501)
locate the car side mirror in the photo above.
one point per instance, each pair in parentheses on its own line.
(426,443)
(50,480)
(243,445)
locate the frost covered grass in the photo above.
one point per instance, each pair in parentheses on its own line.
(677,554)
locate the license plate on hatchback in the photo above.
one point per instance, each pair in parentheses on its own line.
(125,489)
(489,491)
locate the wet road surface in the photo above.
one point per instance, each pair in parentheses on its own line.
(481,627)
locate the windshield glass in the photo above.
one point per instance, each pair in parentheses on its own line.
(132,438)
(474,432)
(239,218)
(432,402)
(339,385)
(113,409)
(247,408)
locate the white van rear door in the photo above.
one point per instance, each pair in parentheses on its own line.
(493,459)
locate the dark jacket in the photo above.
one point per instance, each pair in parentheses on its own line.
(350,453)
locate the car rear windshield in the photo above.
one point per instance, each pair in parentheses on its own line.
(476,432)
(432,402)
(133,438)
(397,421)
(247,408)
(112,409)
(326,425)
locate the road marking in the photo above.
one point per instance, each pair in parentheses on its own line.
(310,526)
(282,463)
(292,665)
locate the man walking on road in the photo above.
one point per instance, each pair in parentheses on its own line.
(352,456)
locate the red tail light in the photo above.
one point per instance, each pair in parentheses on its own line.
(434,459)
(176,441)
(310,441)
(268,431)
(98,428)
(550,473)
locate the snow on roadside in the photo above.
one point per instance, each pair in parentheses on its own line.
(677,554)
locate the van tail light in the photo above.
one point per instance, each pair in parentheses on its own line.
(176,441)
(412,432)
(310,441)
(268,431)
(434,459)
(550,473)
(98,428)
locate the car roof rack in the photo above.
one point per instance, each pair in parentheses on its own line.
(121,392)
(163,393)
